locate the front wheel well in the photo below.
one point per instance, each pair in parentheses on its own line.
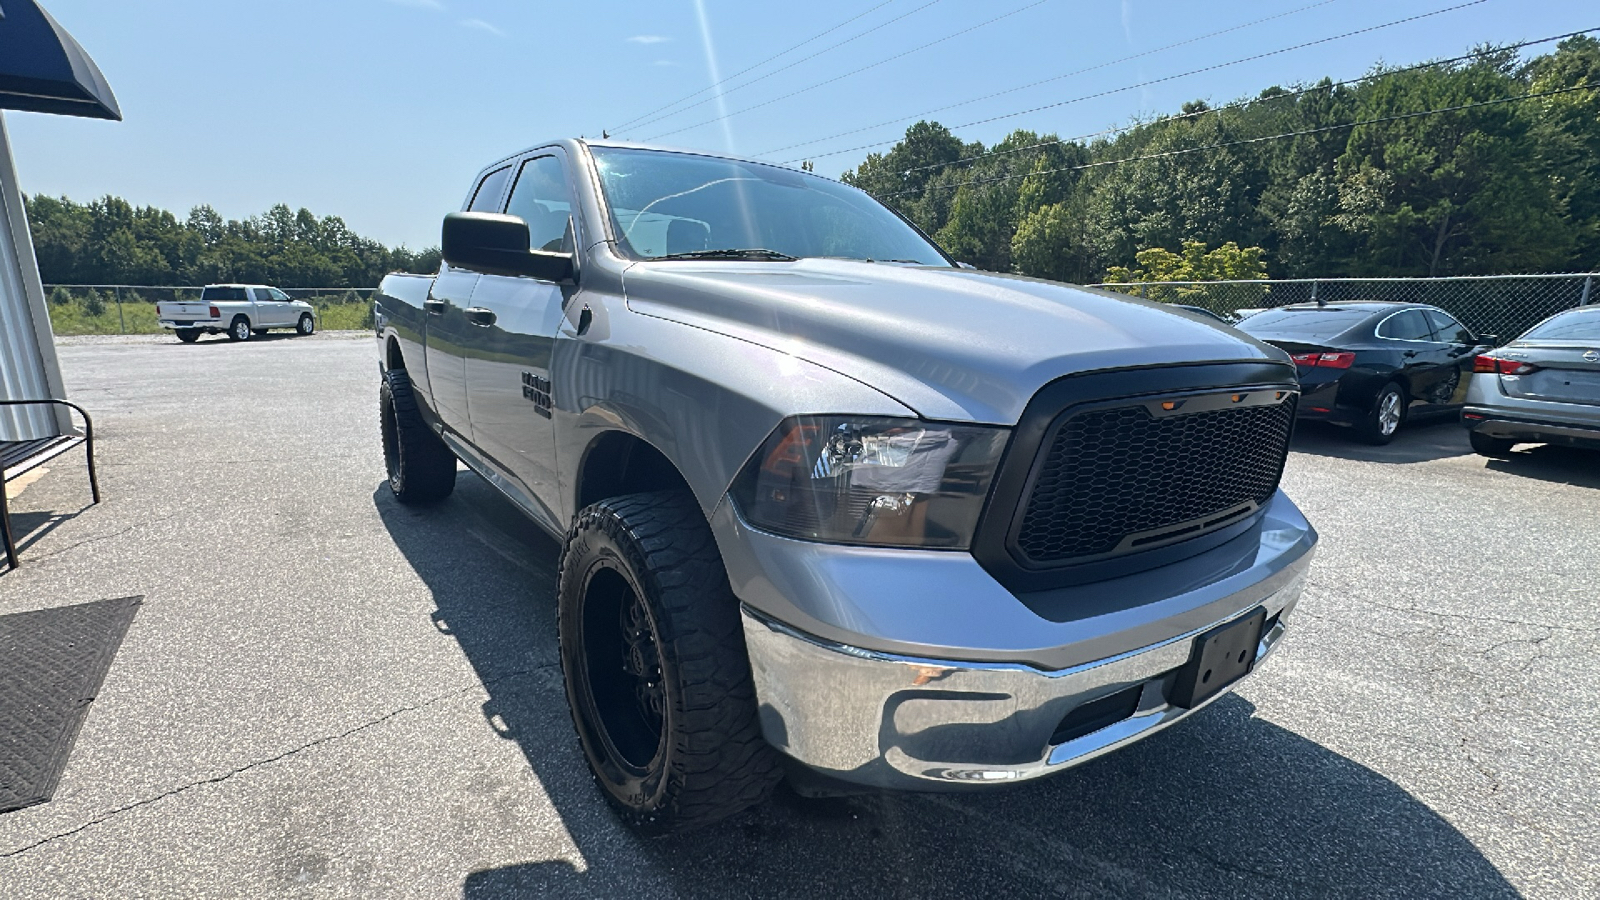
(393,358)
(619,463)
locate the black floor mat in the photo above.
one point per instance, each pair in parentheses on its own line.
(51,665)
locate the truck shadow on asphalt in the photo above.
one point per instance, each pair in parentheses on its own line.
(1223,805)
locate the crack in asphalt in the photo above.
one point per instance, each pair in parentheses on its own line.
(325,739)
(1470,618)
(39,557)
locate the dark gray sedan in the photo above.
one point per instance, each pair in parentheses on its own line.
(1543,387)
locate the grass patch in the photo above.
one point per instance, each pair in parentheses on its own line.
(140,318)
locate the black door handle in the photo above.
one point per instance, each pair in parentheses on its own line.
(434,307)
(478,315)
(1409,353)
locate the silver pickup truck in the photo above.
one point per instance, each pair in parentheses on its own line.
(832,504)
(239,310)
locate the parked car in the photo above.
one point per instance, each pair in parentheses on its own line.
(1543,387)
(1373,365)
(239,310)
(830,503)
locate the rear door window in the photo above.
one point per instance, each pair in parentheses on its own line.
(487,197)
(541,199)
(1406,325)
(1448,329)
(222,295)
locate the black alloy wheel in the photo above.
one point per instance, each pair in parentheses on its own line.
(420,465)
(658,680)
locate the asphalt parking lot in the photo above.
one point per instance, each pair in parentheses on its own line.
(328,695)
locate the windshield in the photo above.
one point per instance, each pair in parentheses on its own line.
(671,204)
(1311,323)
(1582,326)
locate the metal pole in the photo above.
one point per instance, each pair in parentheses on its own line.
(1314,298)
(122,321)
(1588,286)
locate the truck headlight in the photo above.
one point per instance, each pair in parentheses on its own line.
(869,480)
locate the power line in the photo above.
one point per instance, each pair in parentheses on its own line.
(1243,104)
(758,65)
(804,59)
(1024,87)
(1255,140)
(1154,81)
(880,62)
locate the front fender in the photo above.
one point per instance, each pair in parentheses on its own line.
(704,400)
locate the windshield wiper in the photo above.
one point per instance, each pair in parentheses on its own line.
(751,253)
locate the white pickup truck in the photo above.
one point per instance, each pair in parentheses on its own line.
(239,310)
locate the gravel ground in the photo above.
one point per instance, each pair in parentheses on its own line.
(327,695)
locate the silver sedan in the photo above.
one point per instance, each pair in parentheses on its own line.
(1543,387)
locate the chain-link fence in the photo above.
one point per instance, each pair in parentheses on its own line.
(1503,305)
(131,308)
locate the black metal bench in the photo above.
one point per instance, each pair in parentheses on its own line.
(19,457)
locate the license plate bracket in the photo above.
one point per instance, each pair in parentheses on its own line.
(1220,657)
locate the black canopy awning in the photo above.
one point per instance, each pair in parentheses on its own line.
(42,69)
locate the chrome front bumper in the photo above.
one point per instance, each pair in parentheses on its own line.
(884,720)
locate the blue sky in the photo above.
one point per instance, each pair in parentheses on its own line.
(380,111)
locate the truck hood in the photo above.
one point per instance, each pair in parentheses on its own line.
(952,344)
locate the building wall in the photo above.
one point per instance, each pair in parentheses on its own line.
(28,366)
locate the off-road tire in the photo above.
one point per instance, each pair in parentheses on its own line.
(307,325)
(709,759)
(421,467)
(1492,447)
(237,333)
(1371,426)
(187,335)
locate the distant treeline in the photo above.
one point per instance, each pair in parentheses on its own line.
(109,241)
(1503,188)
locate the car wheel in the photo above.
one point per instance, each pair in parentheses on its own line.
(1387,415)
(657,676)
(187,335)
(240,330)
(421,467)
(307,324)
(1493,447)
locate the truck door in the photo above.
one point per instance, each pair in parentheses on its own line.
(270,312)
(445,328)
(511,334)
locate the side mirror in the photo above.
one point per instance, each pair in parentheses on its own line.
(1492,340)
(498,245)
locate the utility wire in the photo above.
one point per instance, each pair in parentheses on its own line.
(758,65)
(1024,87)
(1255,140)
(1143,84)
(880,62)
(803,59)
(1243,104)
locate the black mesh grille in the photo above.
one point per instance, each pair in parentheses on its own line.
(1112,473)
